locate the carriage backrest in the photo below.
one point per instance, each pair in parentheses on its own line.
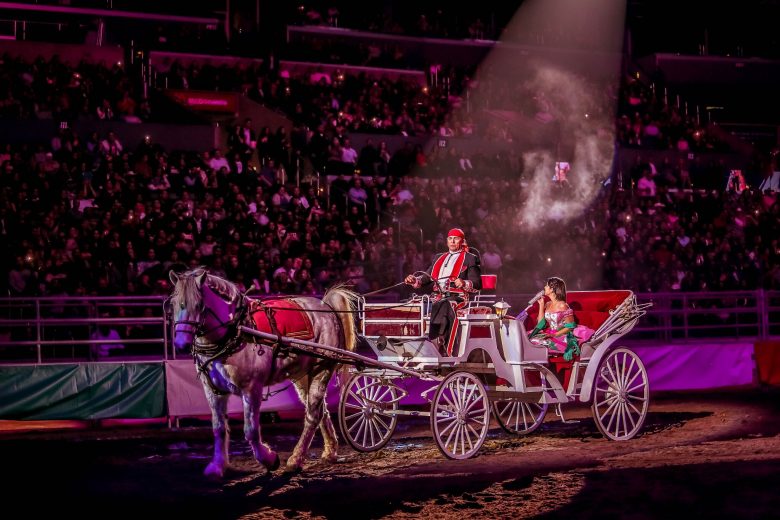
(592,308)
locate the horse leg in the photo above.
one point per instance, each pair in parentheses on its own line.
(262,452)
(313,399)
(330,451)
(219,425)
(302,389)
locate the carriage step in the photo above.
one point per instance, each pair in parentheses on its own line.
(559,413)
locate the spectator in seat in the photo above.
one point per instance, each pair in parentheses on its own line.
(646,185)
(368,158)
(111,145)
(217,161)
(104,332)
(736,182)
(104,111)
(357,194)
(349,155)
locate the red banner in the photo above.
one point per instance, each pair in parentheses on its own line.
(767,355)
(205,101)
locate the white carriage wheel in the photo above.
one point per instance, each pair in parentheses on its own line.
(460,415)
(366,417)
(621,395)
(518,417)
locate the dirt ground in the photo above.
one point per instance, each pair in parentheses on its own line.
(714,455)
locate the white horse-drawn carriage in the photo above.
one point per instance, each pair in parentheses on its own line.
(494,367)
(242,346)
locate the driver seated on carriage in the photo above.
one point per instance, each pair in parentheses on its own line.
(454,276)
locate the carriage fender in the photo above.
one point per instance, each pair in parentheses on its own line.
(593,365)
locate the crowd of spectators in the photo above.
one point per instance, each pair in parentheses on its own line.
(96,217)
(92,215)
(357,103)
(456,104)
(650,117)
(52,89)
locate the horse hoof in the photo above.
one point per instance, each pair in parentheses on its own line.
(275,464)
(214,471)
(292,469)
(330,457)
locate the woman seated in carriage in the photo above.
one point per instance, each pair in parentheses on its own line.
(556,328)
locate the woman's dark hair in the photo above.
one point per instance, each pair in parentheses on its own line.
(558,287)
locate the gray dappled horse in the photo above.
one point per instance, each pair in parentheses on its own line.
(207,311)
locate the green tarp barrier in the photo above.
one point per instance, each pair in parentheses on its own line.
(82,391)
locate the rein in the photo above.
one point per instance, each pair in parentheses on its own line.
(221,347)
(383,289)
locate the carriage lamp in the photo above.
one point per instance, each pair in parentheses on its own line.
(501,308)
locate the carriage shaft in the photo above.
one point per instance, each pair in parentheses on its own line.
(338,353)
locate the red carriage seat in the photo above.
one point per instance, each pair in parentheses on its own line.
(591,308)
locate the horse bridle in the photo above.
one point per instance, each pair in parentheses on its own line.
(196,327)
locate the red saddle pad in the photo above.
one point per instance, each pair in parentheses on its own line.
(290,318)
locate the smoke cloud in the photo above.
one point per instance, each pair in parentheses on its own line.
(584,120)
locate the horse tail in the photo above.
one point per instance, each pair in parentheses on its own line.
(344,301)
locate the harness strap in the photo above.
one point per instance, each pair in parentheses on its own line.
(229,347)
(203,373)
(278,347)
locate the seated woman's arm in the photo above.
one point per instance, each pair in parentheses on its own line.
(540,317)
(567,325)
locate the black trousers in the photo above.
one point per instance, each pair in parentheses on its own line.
(443,316)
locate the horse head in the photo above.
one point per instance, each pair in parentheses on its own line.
(203,307)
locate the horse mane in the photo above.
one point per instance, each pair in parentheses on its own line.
(226,289)
(188,292)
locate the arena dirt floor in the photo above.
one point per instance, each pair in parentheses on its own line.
(711,455)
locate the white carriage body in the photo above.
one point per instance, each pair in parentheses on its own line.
(396,334)
(493,367)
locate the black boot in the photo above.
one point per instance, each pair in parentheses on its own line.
(441,345)
(433,333)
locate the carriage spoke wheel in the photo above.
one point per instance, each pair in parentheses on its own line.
(519,418)
(366,412)
(621,395)
(460,415)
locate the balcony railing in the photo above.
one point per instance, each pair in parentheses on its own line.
(73,329)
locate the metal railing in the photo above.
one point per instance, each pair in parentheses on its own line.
(740,315)
(72,329)
(69,328)
(696,316)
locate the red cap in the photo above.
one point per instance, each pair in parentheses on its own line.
(456,232)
